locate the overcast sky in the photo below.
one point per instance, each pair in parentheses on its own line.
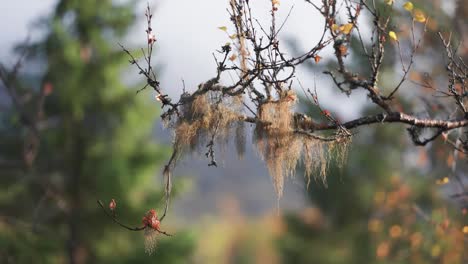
(188,34)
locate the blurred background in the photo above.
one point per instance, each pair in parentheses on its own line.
(72,130)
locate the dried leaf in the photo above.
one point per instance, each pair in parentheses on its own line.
(393,35)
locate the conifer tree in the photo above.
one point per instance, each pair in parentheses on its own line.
(94,141)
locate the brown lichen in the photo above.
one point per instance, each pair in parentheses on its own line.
(204,117)
(282,148)
(275,139)
(210,116)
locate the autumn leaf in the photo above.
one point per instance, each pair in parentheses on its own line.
(419,16)
(317,58)
(389,2)
(465,230)
(382,250)
(335,27)
(346,29)
(395,231)
(443,181)
(223,28)
(233,36)
(408,6)
(393,35)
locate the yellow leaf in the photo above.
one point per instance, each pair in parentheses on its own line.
(346,29)
(223,28)
(419,16)
(465,229)
(233,36)
(389,2)
(334,27)
(443,181)
(408,6)
(393,35)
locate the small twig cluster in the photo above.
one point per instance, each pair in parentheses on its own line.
(151,225)
(152,221)
(263,93)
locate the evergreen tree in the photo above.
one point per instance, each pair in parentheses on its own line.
(96,143)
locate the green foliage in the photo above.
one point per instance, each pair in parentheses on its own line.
(97,144)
